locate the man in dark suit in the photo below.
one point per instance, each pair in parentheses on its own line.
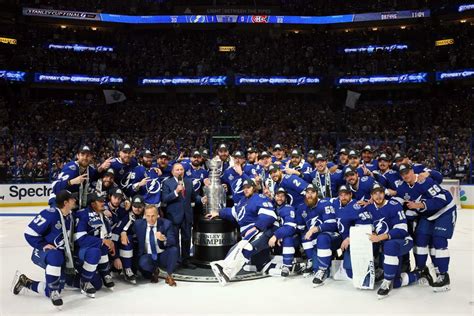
(178,193)
(157,246)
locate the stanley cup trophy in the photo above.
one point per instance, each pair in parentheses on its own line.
(213,238)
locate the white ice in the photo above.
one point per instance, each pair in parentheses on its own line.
(271,295)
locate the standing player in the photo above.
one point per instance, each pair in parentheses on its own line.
(123,166)
(146,180)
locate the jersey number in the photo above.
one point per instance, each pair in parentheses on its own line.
(39,220)
(434,190)
(401,215)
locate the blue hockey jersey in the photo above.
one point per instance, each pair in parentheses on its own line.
(286,219)
(122,172)
(91,228)
(46,228)
(151,191)
(351,214)
(437,200)
(234,182)
(322,215)
(295,188)
(70,171)
(196,175)
(390,219)
(256,211)
(329,189)
(363,191)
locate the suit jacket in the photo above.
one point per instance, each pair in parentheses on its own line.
(178,207)
(163,225)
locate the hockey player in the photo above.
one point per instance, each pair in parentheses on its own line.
(320,234)
(368,158)
(360,186)
(283,236)
(419,169)
(123,166)
(348,214)
(122,235)
(325,182)
(76,176)
(163,166)
(311,157)
(93,243)
(256,217)
(196,172)
(49,233)
(297,166)
(343,159)
(293,185)
(278,155)
(391,232)
(146,181)
(263,179)
(234,177)
(103,185)
(436,212)
(387,177)
(252,168)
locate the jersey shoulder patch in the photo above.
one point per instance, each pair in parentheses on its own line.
(393,202)
(50,210)
(364,178)
(356,206)
(73,166)
(287,176)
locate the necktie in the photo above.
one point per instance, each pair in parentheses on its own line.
(154,253)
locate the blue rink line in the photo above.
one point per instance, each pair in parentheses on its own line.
(18,214)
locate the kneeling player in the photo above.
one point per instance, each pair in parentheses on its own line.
(321,226)
(391,231)
(255,217)
(93,243)
(283,236)
(49,235)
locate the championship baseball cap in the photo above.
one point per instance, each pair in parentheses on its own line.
(265,154)
(312,152)
(116,191)
(138,201)
(84,149)
(163,154)
(280,190)
(404,168)
(196,153)
(65,195)
(384,156)
(296,153)
(344,188)
(353,153)
(147,153)
(377,187)
(94,197)
(343,151)
(368,148)
(321,157)
(349,171)
(126,148)
(223,147)
(109,172)
(205,153)
(273,167)
(277,147)
(248,183)
(399,156)
(238,154)
(251,150)
(311,187)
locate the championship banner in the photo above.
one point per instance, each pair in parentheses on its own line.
(77,79)
(455,75)
(184,81)
(62,14)
(22,194)
(420,77)
(276,81)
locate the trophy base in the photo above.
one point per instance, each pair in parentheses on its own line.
(212,239)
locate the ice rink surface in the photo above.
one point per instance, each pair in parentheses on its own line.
(272,295)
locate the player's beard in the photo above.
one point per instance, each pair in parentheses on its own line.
(196,163)
(147,164)
(310,201)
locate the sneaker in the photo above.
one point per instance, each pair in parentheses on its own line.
(129,276)
(424,276)
(442,283)
(87,289)
(219,273)
(384,289)
(319,277)
(20,281)
(108,283)
(56,299)
(285,271)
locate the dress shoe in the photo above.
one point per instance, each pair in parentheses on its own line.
(170,281)
(155,276)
